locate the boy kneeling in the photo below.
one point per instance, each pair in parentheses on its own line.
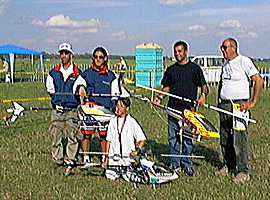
(125,138)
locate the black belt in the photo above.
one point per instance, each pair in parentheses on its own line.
(227,101)
(62,109)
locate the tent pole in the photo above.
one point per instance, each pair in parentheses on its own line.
(42,68)
(11,60)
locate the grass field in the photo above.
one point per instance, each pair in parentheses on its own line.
(27,171)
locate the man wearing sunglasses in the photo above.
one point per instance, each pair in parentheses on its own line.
(97,79)
(234,89)
(59,84)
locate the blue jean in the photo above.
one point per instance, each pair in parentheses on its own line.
(179,145)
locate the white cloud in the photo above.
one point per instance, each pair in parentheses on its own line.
(219,11)
(232,23)
(252,34)
(60,22)
(235,28)
(66,21)
(122,35)
(197,28)
(175,2)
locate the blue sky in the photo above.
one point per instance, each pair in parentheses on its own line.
(120,25)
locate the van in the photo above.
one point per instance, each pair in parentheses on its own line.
(211,66)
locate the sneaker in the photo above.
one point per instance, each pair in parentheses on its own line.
(68,164)
(224,171)
(189,171)
(68,171)
(241,178)
(86,165)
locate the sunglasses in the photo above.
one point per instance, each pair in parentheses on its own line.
(98,57)
(64,51)
(223,47)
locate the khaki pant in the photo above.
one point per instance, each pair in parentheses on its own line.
(65,134)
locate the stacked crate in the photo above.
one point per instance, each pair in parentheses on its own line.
(149,64)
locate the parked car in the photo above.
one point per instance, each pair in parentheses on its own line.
(211,66)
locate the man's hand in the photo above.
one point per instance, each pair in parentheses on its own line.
(134,153)
(247,105)
(202,99)
(158,100)
(82,91)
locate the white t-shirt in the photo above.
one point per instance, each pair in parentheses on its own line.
(235,78)
(131,133)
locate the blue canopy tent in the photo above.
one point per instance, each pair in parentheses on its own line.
(13,50)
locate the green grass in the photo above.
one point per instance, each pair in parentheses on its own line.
(27,171)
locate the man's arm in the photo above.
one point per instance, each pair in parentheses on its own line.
(257,90)
(139,145)
(50,85)
(104,164)
(158,99)
(203,95)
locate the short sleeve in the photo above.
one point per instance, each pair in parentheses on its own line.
(139,134)
(110,131)
(200,79)
(249,67)
(167,78)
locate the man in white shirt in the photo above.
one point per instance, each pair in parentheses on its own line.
(234,88)
(125,138)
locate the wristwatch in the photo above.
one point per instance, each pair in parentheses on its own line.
(203,94)
(160,97)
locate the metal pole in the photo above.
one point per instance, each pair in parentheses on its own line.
(205,105)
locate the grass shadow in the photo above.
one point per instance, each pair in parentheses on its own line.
(156,149)
(211,156)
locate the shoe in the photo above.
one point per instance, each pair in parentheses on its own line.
(68,164)
(86,165)
(241,178)
(68,171)
(224,171)
(188,171)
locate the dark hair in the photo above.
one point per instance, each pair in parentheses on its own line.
(103,51)
(125,101)
(181,43)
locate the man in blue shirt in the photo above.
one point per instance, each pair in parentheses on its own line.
(59,84)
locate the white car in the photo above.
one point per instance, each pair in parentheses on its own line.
(211,66)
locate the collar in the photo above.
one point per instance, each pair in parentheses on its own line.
(75,72)
(102,70)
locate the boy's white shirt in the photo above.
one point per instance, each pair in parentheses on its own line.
(131,133)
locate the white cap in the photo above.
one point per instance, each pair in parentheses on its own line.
(65,46)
